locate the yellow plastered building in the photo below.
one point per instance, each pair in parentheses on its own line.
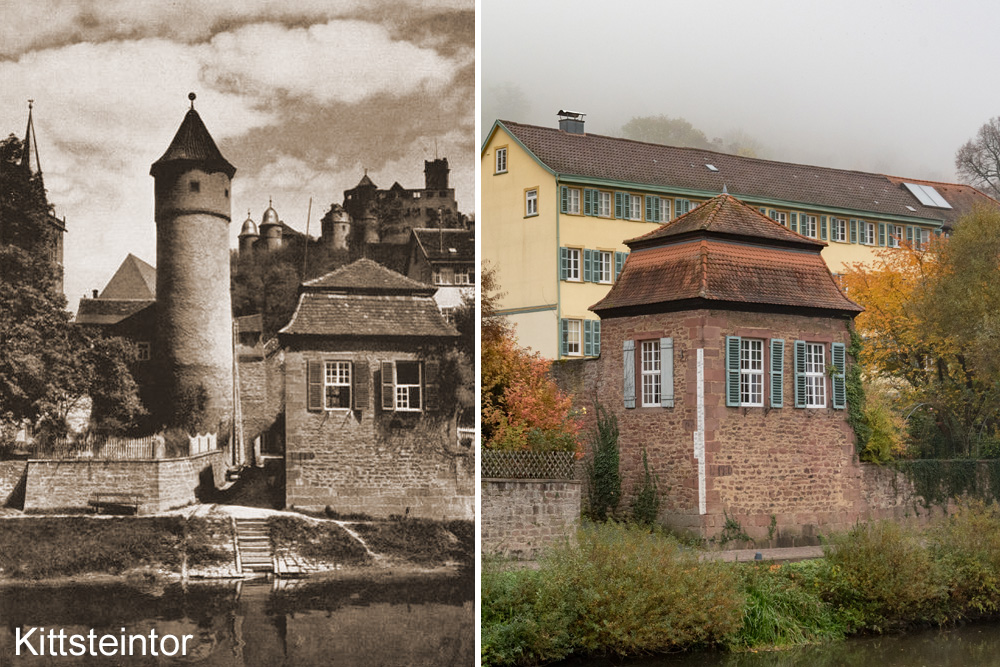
(558,204)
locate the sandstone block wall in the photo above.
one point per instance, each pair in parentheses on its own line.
(371,461)
(69,485)
(521,517)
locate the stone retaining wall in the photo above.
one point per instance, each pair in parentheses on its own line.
(163,484)
(520,517)
(11,476)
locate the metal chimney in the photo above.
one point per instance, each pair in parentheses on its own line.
(571,121)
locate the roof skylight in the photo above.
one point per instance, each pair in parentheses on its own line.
(927,195)
(712,167)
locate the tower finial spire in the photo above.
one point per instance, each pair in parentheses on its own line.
(192,96)
(30,144)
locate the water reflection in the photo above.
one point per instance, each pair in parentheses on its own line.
(426,620)
(976,645)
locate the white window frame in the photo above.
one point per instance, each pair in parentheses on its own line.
(604,204)
(781,218)
(444,276)
(145,350)
(838,230)
(807,226)
(895,235)
(530,203)
(604,266)
(649,370)
(752,372)
(636,210)
(815,375)
(921,238)
(334,373)
(574,349)
(501,161)
(463,275)
(402,394)
(871,233)
(573,201)
(573,264)
(448,312)
(664,209)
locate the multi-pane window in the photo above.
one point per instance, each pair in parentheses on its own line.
(145,351)
(408,385)
(869,235)
(815,375)
(337,385)
(635,213)
(448,312)
(780,217)
(895,234)
(602,266)
(463,276)
(751,372)
(664,209)
(573,337)
(573,267)
(650,368)
(921,238)
(838,230)
(573,201)
(531,202)
(501,166)
(808,226)
(604,204)
(443,276)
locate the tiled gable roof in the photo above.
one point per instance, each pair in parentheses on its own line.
(727,254)
(367,276)
(633,162)
(962,197)
(726,217)
(134,279)
(437,244)
(193,146)
(325,314)
(109,311)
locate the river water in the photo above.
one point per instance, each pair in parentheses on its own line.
(376,620)
(974,645)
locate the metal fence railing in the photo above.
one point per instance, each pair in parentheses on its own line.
(527,465)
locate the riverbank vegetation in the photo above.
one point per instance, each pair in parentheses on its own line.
(625,590)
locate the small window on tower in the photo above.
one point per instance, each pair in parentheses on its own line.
(195,186)
(227,193)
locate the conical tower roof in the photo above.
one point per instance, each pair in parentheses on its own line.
(30,147)
(192,146)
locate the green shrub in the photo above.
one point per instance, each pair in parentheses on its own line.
(646,504)
(967,547)
(605,477)
(880,572)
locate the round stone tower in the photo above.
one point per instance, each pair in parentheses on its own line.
(270,228)
(336,228)
(248,236)
(194,311)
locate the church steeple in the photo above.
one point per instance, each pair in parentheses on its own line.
(30,146)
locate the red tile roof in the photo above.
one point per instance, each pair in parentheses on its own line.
(634,162)
(727,253)
(962,197)
(367,276)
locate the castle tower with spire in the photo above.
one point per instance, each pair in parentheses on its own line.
(192,213)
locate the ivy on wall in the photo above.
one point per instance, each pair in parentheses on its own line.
(938,481)
(856,396)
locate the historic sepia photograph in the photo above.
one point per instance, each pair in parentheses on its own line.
(237,325)
(741,302)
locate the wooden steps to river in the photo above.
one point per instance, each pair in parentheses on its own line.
(253,545)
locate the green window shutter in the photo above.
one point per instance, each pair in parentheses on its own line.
(794,217)
(627,206)
(361,372)
(772,214)
(822,228)
(667,372)
(563,263)
(588,266)
(854,230)
(628,364)
(618,205)
(388,386)
(909,234)
(564,337)
(588,344)
(619,263)
(649,208)
(656,209)
(733,371)
(800,374)
(839,356)
(881,234)
(683,206)
(314,385)
(586,201)
(596,329)
(563,199)
(762,210)
(777,373)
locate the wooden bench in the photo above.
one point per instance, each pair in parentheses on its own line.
(116,503)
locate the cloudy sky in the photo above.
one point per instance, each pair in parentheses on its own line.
(300,96)
(874,85)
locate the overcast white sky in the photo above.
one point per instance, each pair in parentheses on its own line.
(300,96)
(873,85)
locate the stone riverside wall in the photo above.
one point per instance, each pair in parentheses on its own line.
(520,517)
(11,476)
(69,485)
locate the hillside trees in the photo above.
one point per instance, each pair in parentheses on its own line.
(932,330)
(978,160)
